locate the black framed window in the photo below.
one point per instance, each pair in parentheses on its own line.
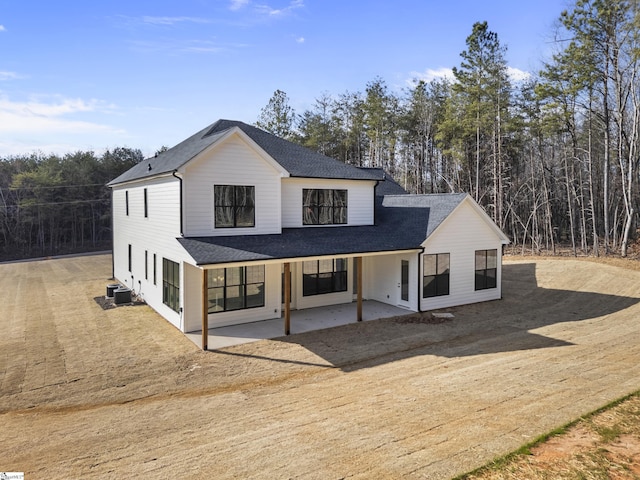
(486,269)
(146,204)
(155,276)
(171,284)
(324,206)
(234,206)
(130,259)
(146,265)
(126,202)
(435,271)
(235,288)
(324,276)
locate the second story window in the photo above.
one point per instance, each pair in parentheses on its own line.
(324,206)
(234,206)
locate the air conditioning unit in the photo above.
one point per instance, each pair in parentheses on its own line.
(112,288)
(122,295)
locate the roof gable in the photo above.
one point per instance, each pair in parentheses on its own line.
(297,160)
(479,211)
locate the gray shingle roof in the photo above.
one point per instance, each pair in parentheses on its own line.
(297,160)
(403,222)
(386,184)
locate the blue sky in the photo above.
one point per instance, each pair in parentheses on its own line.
(90,75)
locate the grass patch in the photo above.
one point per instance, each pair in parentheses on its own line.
(608,428)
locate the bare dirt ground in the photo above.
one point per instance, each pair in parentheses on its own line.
(93,393)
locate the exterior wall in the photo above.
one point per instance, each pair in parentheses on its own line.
(155,234)
(192,286)
(461,235)
(383,275)
(231,163)
(193,303)
(302,302)
(360,201)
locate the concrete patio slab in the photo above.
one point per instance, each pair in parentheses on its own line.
(301,321)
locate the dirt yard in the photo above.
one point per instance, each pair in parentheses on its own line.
(118,393)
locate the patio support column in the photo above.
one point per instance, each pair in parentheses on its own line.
(205,309)
(359,277)
(287,298)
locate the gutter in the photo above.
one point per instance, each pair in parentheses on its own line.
(181,201)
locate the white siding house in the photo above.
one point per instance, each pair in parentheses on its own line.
(205,232)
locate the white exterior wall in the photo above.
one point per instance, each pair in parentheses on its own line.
(233,162)
(302,302)
(271,309)
(360,201)
(382,277)
(461,235)
(155,234)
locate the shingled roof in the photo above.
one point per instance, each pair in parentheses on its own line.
(295,159)
(402,222)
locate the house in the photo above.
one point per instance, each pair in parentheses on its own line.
(236,225)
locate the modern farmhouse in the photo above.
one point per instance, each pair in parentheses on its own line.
(236,225)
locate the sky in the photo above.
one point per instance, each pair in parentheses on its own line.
(97,74)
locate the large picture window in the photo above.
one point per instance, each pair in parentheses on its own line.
(234,206)
(171,284)
(324,276)
(324,206)
(486,269)
(435,275)
(235,288)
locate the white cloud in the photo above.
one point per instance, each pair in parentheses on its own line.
(55,124)
(267,10)
(517,75)
(300,40)
(2,29)
(38,117)
(173,20)
(238,4)
(9,76)
(430,74)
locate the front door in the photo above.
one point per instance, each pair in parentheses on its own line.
(404,281)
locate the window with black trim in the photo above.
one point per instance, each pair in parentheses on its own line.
(234,206)
(235,288)
(324,206)
(126,202)
(155,276)
(435,271)
(324,276)
(130,261)
(146,204)
(171,284)
(146,265)
(486,269)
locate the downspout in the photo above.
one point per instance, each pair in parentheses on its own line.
(181,210)
(113,238)
(375,198)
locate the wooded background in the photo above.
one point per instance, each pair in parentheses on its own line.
(553,158)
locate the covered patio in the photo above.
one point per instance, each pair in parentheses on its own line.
(301,321)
